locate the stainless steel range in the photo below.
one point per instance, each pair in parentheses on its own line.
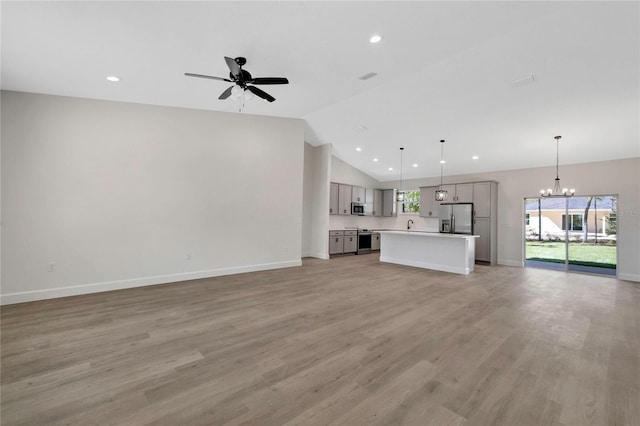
(364,241)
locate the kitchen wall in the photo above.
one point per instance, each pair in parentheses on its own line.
(100,195)
(621,177)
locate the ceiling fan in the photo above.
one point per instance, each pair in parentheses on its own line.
(243,79)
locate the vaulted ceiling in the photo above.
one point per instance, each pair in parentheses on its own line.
(497,80)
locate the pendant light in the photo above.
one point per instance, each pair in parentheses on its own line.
(556,191)
(441,194)
(400,194)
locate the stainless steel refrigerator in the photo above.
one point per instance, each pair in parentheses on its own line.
(456,218)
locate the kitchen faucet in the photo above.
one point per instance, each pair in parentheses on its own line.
(409,223)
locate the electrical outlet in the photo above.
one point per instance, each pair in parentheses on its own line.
(52,267)
(187,256)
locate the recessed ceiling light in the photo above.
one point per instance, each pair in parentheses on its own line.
(442,161)
(415,165)
(358,149)
(375,160)
(113,78)
(475,157)
(375,39)
(390,169)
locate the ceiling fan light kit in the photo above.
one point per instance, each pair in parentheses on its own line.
(441,194)
(556,191)
(243,81)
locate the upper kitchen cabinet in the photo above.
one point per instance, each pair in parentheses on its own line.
(428,203)
(373,202)
(357,194)
(459,193)
(344,199)
(464,193)
(389,203)
(377,202)
(333,198)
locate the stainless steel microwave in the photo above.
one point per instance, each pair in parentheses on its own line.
(357,208)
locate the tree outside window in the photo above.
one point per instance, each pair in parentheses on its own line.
(411,203)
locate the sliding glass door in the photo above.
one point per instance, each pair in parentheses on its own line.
(573,234)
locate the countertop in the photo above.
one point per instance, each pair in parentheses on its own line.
(428,234)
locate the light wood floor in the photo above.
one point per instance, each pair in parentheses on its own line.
(347,341)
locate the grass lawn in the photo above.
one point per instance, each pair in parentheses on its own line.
(579,254)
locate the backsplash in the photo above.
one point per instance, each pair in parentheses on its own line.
(370,222)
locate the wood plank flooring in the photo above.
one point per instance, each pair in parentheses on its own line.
(348,341)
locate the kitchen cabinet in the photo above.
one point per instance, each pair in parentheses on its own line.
(389,204)
(333,198)
(428,204)
(482,227)
(485,205)
(459,193)
(373,202)
(375,241)
(350,241)
(357,194)
(482,199)
(377,202)
(464,193)
(336,242)
(344,199)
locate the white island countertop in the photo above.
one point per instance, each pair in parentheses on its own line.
(430,250)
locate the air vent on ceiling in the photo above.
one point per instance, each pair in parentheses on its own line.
(367,76)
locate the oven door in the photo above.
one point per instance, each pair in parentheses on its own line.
(364,242)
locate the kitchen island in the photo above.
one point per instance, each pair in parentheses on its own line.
(430,250)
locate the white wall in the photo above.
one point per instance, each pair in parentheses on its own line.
(118,195)
(315,223)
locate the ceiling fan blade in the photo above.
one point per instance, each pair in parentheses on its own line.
(188,74)
(226,93)
(261,93)
(269,80)
(233,66)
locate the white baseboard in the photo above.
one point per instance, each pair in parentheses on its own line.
(30,296)
(629,277)
(323,256)
(509,262)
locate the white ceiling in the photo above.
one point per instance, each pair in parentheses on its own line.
(445,71)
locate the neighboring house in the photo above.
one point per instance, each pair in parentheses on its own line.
(556,218)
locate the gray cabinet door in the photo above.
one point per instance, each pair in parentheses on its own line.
(375,241)
(482,227)
(464,193)
(377,202)
(333,198)
(428,204)
(482,199)
(357,194)
(368,201)
(389,202)
(350,243)
(344,199)
(336,244)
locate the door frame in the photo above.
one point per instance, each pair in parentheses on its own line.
(566,235)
